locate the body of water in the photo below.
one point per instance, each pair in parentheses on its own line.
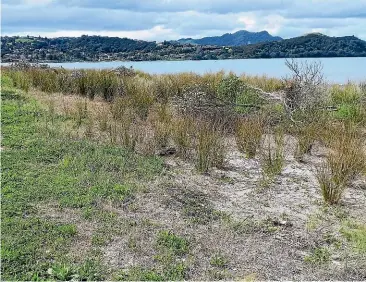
(338,70)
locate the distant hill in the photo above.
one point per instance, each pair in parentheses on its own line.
(310,45)
(99,48)
(238,38)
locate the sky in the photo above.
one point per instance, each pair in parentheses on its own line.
(158,20)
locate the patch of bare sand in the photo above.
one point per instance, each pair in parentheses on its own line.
(276,252)
(83,240)
(275,219)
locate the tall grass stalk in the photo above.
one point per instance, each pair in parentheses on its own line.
(210,147)
(248,135)
(272,154)
(346,160)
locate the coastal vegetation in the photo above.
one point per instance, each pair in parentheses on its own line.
(98,48)
(123,175)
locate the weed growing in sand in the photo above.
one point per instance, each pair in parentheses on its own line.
(318,256)
(139,274)
(272,159)
(218,260)
(306,135)
(177,245)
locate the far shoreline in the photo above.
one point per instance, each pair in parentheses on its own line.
(171,60)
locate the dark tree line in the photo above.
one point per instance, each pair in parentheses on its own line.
(94,48)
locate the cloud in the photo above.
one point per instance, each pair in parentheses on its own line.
(173,19)
(153,34)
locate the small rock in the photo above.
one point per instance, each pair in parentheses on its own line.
(167,151)
(282,223)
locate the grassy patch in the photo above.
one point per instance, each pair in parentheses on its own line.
(24,40)
(318,256)
(219,261)
(39,166)
(176,244)
(139,274)
(355,233)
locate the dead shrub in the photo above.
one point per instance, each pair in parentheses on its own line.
(304,90)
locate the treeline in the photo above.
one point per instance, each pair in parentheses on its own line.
(98,48)
(312,45)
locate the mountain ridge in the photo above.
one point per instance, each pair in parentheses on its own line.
(238,38)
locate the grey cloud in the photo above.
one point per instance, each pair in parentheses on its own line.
(186,17)
(60,17)
(207,6)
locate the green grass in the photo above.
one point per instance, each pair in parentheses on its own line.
(355,233)
(318,256)
(177,245)
(169,265)
(41,167)
(219,261)
(24,40)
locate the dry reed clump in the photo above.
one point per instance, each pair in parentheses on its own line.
(248,134)
(265,83)
(210,146)
(272,154)
(80,112)
(306,136)
(139,95)
(345,161)
(183,130)
(160,119)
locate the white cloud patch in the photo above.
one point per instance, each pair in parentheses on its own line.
(153,34)
(173,19)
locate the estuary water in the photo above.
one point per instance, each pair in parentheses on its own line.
(336,70)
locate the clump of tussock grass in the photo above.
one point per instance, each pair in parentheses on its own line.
(183,130)
(21,80)
(306,136)
(102,119)
(210,147)
(345,160)
(272,154)
(160,118)
(128,134)
(347,94)
(111,86)
(139,96)
(349,101)
(248,134)
(81,112)
(263,82)
(51,109)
